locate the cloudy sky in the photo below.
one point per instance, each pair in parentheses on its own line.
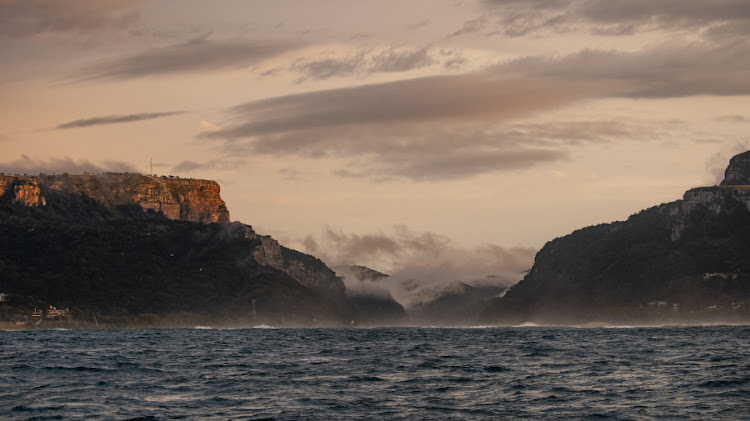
(352,128)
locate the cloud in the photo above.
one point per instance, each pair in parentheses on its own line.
(26,165)
(610,17)
(733,118)
(213,164)
(717,163)
(198,55)
(369,61)
(434,128)
(458,99)
(419,264)
(24,18)
(666,70)
(114,119)
(458,126)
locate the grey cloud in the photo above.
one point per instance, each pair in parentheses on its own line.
(440,98)
(114,119)
(195,56)
(420,264)
(26,165)
(663,71)
(366,62)
(422,129)
(733,118)
(394,60)
(611,17)
(187,166)
(418,25)
(329,67)
(449,127)
(213,164)
(23,18)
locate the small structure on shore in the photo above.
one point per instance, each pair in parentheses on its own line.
(3,297)
(52,312)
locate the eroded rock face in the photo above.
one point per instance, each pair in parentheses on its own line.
(181,199)
(22,190)
(305,269)
(738,171)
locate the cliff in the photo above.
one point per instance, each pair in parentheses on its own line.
(22,190)
(687,260)
(306,269)
(179,199)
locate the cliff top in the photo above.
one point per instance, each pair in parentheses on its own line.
(177,198)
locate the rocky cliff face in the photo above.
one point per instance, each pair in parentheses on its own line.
(305,269)
(22,190)
(738,171)
(686,256)
(180,199)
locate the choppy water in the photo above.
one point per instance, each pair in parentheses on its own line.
(398,373)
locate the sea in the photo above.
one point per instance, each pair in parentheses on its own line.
(525,372)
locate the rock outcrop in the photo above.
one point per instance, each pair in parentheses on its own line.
(738,171)
(179,199)
(305,269)
(22,190)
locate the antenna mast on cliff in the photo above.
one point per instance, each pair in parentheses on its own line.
(151,162)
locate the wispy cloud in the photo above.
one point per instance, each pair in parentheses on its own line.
(198,55)
(423,129)
(666,70)
(471,97)
(115,119)
(368,61)
(212,164)
(26,165)
(609,17)
(24,18)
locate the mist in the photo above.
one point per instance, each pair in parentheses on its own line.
(420,266)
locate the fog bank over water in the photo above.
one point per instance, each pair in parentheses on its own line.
(420,266)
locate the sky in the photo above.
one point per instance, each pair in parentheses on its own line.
(439,138)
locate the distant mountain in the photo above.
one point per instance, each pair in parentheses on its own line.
(684,261)
(458,304)
(372,301)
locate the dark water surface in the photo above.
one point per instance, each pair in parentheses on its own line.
(385,373)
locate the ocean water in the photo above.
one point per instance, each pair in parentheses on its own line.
(381,373)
